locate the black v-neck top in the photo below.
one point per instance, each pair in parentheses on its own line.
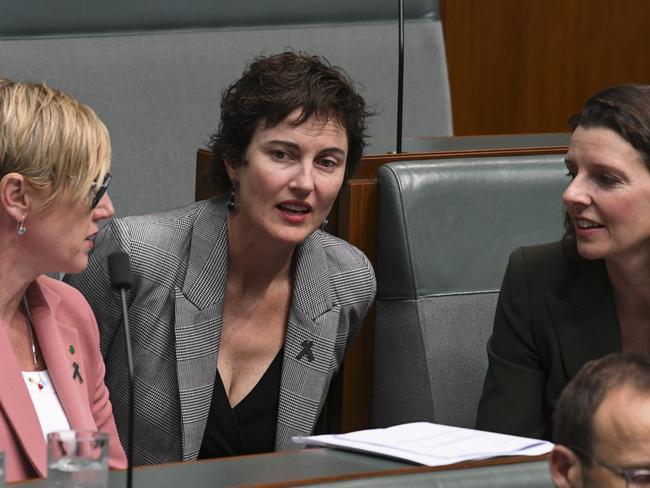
(250,426)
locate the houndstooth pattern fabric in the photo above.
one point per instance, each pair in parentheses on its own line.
(179,263)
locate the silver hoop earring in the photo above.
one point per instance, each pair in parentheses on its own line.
(22,230)
(232,203)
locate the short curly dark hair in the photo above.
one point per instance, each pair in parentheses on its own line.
(271,88)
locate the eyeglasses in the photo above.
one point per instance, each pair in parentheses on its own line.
(634,477)
(97,191)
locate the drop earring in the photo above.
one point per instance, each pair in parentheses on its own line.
(232,203)
(324,224)
(22,230)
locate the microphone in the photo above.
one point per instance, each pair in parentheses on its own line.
(400,76)
(119,272)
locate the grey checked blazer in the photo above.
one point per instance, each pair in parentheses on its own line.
(179,262)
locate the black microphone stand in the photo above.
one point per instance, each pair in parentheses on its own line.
(129,356)
(400,77)
(120,275)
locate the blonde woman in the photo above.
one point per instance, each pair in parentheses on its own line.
(54,162)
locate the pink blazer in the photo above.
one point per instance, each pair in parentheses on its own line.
(67,333)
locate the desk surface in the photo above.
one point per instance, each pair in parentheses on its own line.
(289,468)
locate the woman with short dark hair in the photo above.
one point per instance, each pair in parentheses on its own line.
(565,303)
(242,308)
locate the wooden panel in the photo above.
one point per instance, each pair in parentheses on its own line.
(370,164)
(358,215)
(358,226)
(525,66)
(203,186)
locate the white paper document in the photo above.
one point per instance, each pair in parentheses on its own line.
(431,444)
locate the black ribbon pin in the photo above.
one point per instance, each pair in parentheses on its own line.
(306,351)
(76,374)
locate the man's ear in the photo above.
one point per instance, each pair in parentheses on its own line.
(14,195)
(566,468)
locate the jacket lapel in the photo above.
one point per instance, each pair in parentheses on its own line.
(17,405)
(309,344)
(312,324)
(198,319)
(586,320)
(55,339)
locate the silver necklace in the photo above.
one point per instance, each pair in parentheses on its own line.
(30,328)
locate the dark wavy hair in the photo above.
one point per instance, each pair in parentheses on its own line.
(270,89)
(573,418)
(625,109)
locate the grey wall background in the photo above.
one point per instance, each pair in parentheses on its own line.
(65,17)
(154,71)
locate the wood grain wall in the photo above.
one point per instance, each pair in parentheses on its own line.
(524,66)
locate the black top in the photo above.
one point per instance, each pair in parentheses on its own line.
(250,426)
(555,312)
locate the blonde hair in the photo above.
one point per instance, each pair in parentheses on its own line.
(55,141)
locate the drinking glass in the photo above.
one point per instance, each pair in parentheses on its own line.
(77,459)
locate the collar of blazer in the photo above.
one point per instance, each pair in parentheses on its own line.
(198,319)
(207,267)
(584,317)
(54,338)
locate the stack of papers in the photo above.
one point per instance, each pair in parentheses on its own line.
(431,444)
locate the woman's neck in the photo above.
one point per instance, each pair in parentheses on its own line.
(630,281)
(253,263)
(15,279)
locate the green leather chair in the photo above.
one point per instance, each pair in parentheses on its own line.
(446,229)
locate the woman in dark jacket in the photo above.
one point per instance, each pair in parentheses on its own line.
(565,303)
